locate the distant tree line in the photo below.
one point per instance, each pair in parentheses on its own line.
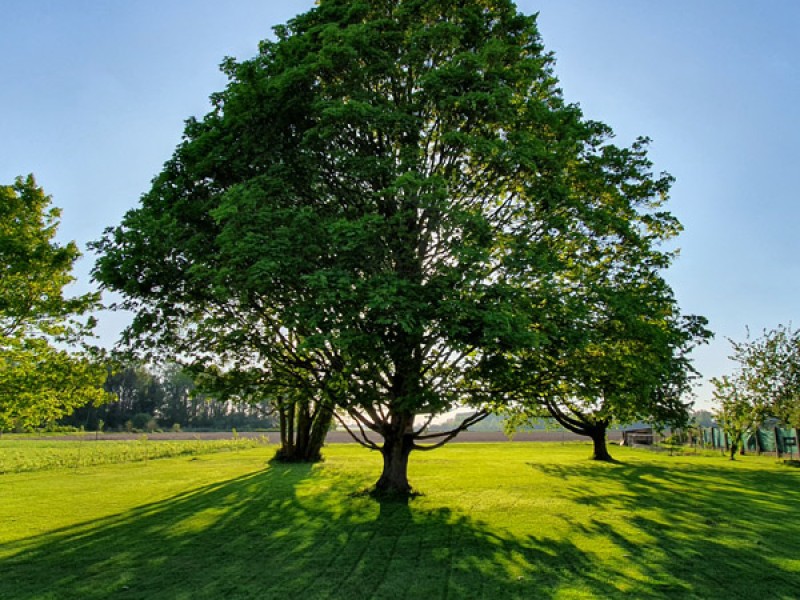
(147,398)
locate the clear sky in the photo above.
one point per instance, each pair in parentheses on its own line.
(93,96)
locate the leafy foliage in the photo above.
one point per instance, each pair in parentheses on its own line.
(765,385)
(630,368)
(737,413)
(385,209)
(769,373)
(39,379)
(619,349)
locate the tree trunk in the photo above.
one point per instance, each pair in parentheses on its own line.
(303,428)
(290,416)
(394,478)
(283,426)
(598,435)
(733,451)
(318,430)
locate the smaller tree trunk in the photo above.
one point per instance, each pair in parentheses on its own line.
(303,429)
(318,430)
(600,449)
(290,416)
(283,425)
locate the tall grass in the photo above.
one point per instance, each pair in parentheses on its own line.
(18,456)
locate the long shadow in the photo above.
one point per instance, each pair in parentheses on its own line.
(690,531)
(280,534)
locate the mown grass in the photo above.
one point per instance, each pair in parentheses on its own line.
(24,455)
(508,520)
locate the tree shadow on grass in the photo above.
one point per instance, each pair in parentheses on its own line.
(287,532)
(695,531)
(292,531)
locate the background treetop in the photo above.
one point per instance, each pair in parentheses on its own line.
(35,268)
(42,376)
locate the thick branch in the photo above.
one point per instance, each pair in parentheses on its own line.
(363,440)
(568,423)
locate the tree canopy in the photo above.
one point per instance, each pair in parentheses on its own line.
(387,209)
(40,380)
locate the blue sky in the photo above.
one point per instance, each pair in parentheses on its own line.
(94,95)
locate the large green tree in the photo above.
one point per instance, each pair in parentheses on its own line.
(40,378)
(380,212)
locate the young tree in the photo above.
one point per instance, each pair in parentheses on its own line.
(378,212)
(737,414)
(39,380)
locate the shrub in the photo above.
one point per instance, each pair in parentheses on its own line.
(142,422)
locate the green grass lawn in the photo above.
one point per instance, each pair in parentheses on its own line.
(497,521)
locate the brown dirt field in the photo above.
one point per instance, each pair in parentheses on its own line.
(338,437)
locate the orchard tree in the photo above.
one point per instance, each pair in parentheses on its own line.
(765,384)
(379,214)
(40,380)
(737,413)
